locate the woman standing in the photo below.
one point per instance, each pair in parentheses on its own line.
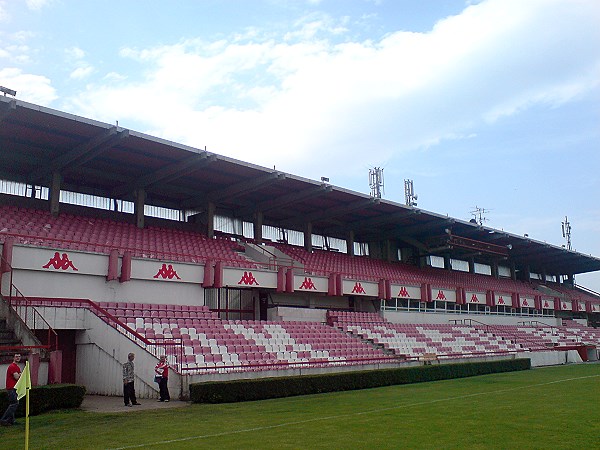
(162,377)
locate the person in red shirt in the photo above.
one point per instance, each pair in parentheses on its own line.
(12,376)
(162,377)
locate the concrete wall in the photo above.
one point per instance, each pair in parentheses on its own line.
(552,358)
(89,280)
(101,351)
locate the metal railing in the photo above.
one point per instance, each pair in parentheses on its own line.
(171,347)
(26,314)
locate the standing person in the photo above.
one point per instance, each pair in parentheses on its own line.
(13,373)
(162,375)
(128,378)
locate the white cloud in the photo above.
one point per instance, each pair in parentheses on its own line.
(37,5)
(74,53)
(81,72)
(32,88)
(4,15)
(309,102)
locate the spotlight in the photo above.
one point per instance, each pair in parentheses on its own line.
(7,91)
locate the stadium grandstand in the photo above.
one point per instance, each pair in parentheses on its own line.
(114,241)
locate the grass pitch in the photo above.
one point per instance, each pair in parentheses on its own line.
(557,407)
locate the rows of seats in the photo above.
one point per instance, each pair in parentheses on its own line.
(210,343)
(416,340)
(536,338)
(152,310)
(571,293)
(449,340)
(99,235)
(352,317)
(324,262)
(587,334)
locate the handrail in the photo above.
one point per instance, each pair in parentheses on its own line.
(171,346)
(35,314)
(512,335)
(282,365)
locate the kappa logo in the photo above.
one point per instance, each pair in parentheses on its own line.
(358,289)
(441,296)
(248,279)
(546,305)
(525,303)
(308,284)
(474,298)
(167,272)
(564,306)
(501,301)
(60,262)
(403,292)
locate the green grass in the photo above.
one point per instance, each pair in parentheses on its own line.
(556,408)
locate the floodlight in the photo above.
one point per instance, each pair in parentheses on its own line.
(8,91)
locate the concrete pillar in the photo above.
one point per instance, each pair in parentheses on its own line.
(447,262)
(55,193)
(211,208)
(350,242)
(471,265)
(308,236)
(55,367)
(258,224)
(138,207)
(495,269)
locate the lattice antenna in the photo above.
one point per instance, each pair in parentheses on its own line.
(566,232)
(479,215)
(410,197)
(376,182)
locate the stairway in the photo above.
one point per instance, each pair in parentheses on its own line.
(7,339)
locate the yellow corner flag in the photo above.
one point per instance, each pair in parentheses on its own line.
(24,382)
(23,387)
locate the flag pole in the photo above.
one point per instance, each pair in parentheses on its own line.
(27,420)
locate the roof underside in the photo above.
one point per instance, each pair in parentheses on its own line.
(106,160)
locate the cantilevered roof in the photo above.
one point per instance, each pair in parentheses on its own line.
(107,160)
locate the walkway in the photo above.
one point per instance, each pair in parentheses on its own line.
(105,404)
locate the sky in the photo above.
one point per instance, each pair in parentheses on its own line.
(492,104)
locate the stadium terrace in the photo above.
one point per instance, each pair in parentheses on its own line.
(114,241)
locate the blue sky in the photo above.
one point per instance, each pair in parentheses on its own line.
(490,103)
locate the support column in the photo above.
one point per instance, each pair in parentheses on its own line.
(258,225)
(55,193)
(513,271)
(495,270)
(210,219)
(138,207)
(447,262)
(308,236)
(570,279)
(350,243)
(471,265)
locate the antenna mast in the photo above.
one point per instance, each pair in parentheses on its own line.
(376,181)
(566,232)
(410,197)
(479,215)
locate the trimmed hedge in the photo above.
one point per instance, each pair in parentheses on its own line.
(264,388)
(47,398)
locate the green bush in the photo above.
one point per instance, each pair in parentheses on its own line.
(263,388)
(47,398)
